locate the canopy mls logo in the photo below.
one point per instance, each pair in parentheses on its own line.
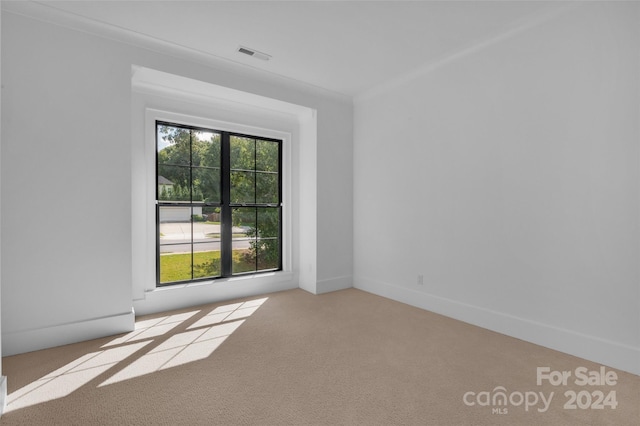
(500,400)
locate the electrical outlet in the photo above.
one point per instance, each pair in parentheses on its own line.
(420,279)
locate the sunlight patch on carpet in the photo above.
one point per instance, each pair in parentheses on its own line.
(147,329)
(179,349)
(198,342)
(71,377)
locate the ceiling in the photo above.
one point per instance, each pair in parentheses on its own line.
(346,47)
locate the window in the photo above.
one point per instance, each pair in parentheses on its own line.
(218,203)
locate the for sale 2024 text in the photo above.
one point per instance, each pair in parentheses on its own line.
(582,376)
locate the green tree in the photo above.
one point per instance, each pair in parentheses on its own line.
(191,161)
(254,180)
(174,160)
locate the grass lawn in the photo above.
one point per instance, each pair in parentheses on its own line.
(177,267)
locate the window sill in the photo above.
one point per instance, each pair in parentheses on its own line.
(179,296)
(262,276)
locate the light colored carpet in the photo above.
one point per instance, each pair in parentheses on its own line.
(291,358)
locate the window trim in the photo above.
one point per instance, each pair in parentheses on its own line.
(151,116)
(159,90)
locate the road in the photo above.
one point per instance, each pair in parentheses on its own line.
(176,237)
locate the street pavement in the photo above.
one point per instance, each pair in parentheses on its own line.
(176,237)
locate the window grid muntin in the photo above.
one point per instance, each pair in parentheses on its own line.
(224,182)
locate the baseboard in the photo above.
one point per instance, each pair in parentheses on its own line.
(334,284)
(3,394)
(602,351)
(47,337)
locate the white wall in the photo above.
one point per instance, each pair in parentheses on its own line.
(65,123)
(508,177)
(67,120)
(3,379)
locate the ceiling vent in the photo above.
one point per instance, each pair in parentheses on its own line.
(254,53)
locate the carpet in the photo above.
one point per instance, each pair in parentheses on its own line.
(292,358)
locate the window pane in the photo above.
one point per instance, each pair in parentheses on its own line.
(268,253)
(267,247)
(256,238)
(244,234)
(242,153)
(211,215)
(205,233)
(267,188)
(243,187)
(268,222)
(267,156)
(174,183)
(205,149)
(175,224)
(206,259)
(244,221)
(175,244)
(206,244)
(243,259)
(175,267)
(174,145)
(206,185)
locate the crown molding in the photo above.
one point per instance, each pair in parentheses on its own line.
(551,12)
(46,12)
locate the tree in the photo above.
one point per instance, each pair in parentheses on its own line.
(264,249)
(174,160)
(192,161)
(254,180)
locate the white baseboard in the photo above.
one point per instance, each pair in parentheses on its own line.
(595,349)
(334,284)
(22,341)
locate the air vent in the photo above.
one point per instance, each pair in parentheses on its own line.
(254,53)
